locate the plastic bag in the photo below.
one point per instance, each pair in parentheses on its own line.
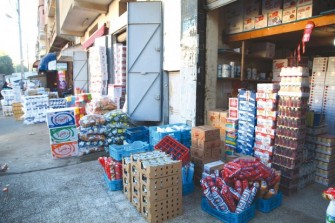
(90,149)
(117,118)
(97,129)
(92,137)
(92,120)
(100,105)
(82,144)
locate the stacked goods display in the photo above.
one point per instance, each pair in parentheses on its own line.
(325,159)
(205,148)
(112,172)
(180,132)
(246,122)
(92,132)
(329,100)
(217,118)
(79,100)
(98,71)
(155,184)
(18,111)
(7,101)
(100,105)
(118,94)
(277,65)
(120,64)
(57,103)
(291,126)
(117,123)
(229,196)
(35,108)
(231,127)
(63,132)
(266,98)
(179,152)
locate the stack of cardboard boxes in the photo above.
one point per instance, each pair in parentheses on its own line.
(325,159)
(246,122)
(217,118)
(206,148)
(231,127)
(98,70)
(18,111)
(63,132)
(266,97)
(153,183)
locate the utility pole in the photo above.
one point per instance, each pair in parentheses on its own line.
(20,37)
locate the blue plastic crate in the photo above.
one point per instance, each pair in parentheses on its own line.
(113,185)
(243,217)
(267,205)
(117,152)
(188,188)
(137,134)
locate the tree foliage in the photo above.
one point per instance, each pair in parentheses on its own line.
(6,65)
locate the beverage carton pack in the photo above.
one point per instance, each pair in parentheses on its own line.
(60,117)
(231,124)
(63,134)
(268,131)
(62,150)
(264,139)
(233,103)
(247,106)
(246,126)
(246,95)
(247,117)
(264,147)
(233,113)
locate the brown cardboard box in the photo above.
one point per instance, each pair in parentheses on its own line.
(161,211)
(213,117)
(200,162)
(150,196)
(194,142)
(223,133)
(201,153)
(154,184)
(216,152)
(159,171)
(205,133)
(136,201)
(126,168)
(209,144)
(127,191)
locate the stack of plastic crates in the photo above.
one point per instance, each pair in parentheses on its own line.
(140,133)
(180,132)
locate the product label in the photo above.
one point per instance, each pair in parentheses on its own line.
(330,219)
(64,150)
(65,134)
(61,118)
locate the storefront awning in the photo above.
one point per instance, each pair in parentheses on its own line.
(43,65)
(100,32)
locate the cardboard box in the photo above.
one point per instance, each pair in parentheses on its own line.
(289,4)
(60,117)
(267,96)
(233,103)
(275,18)
(231,124)
(159,195)
(234,25)
(63,134)
(200,153)
(264,49)
(223,119)
(304,12)
(136,201)
(216,152)
(251,8)
(212,166)
(261,21)
(270,5)
(162,211)
(268,131)
(331,64)
(289,15)
(204,145)
(233,113)
(213,117)
(205,133)
(127,191)
(248,23)
(155,184)
(159,171)
(304,2)
(199,163)
(62,150)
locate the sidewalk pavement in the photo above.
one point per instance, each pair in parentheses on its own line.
(42,189)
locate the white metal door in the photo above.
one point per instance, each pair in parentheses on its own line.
(80,76)
(144,61)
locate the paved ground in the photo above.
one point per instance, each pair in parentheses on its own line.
(72,190)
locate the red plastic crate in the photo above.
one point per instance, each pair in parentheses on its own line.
(177,150)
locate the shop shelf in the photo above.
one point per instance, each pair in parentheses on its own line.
(177,150)
(243,217)
(137,134)
(113,185)
(188,188)
(267,205)
(117,152)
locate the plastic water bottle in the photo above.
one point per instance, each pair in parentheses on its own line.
(330,214)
